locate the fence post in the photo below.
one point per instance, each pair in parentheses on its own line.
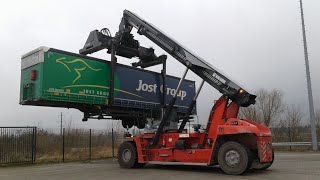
(34,144)
(112,139)
(90,145)
(63,145)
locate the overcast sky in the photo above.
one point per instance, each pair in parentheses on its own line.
(258,43)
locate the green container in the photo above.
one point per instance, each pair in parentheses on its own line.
(56,76)
(51,77)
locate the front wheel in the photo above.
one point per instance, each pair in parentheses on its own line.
(234,158)
(127,155)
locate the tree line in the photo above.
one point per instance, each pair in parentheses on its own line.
(285,120)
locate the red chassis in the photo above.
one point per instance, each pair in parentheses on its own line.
(232,143)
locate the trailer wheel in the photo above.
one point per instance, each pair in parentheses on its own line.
(234,158)
(127,123)
(127,155)
(140,123)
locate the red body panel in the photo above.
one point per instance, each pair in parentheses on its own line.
(222,122)
(265,149)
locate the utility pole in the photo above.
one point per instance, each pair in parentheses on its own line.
(311,108)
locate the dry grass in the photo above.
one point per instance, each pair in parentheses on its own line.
(76,145)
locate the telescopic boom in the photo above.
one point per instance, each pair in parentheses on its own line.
(128,47)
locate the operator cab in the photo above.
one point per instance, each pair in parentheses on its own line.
(154,120)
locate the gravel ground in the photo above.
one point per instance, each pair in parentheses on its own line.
(291,166)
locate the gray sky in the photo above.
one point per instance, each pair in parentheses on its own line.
(258,43)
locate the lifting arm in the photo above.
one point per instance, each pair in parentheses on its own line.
(126,46)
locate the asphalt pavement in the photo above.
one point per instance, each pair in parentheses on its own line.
(287,166)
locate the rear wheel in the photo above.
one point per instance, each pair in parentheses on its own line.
(260,166)
(234,158)
(140,165)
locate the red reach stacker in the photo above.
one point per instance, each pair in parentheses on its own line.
(234,144)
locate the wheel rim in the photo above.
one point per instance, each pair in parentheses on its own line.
(126,155)
(232,158)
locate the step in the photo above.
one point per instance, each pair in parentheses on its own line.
(177,163)
(164,155)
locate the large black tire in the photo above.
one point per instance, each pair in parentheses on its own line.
(234,158)
(140,165)
(264,166)
(127,123)
(127,155)
(140,123)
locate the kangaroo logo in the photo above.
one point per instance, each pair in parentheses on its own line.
(82,66)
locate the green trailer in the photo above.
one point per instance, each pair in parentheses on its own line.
(55,78)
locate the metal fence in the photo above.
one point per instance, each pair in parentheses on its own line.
(17,145)
(79,144)
(286,144)
(76,144)
(20,144)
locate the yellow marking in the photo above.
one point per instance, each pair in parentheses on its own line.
(82,61)
(56,93)
(79,75)
(103,87)
(59,61)
(77,70)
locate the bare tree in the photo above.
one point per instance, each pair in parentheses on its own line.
(291,122)
(270,104)
(268,107)
(251,112)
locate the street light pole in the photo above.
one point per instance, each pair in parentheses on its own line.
(311,108)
